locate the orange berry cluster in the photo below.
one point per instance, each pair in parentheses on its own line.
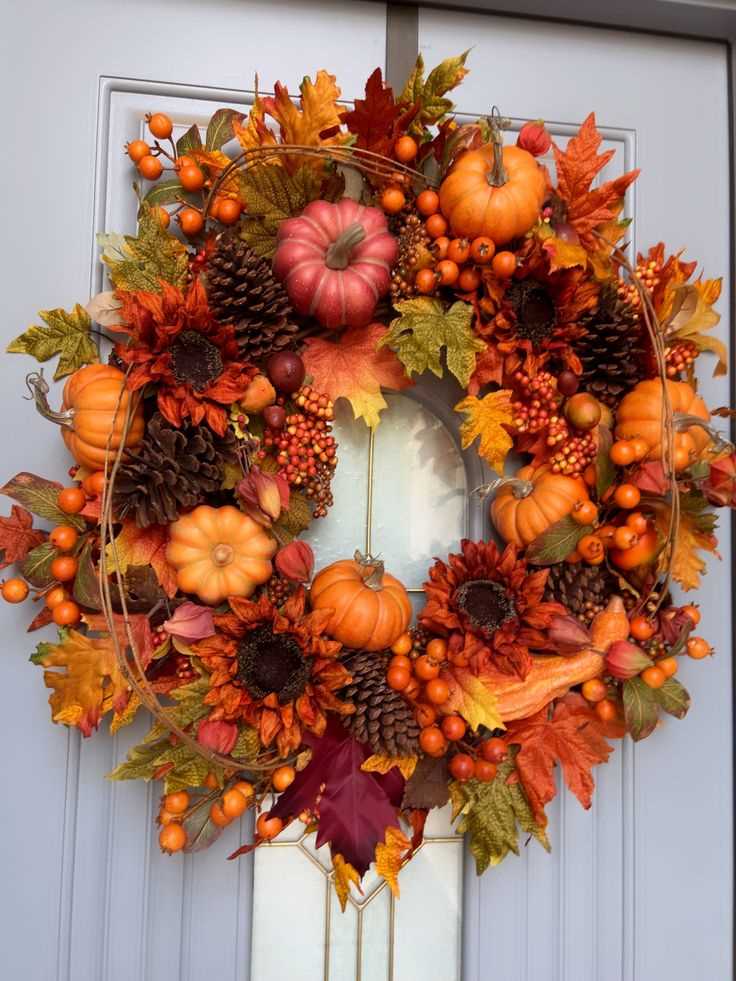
(647,271)
(535,407)
(575,454)
(304,448)
(680,357)
(192,178)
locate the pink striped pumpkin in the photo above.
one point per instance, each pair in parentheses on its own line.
(335,261)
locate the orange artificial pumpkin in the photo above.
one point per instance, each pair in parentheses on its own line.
(219,552)
(526,506)
(495,191)
(92,414)
(640,415)
(371,609)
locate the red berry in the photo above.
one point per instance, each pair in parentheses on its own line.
(462,766)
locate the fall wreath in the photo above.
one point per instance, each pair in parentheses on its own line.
(322,253)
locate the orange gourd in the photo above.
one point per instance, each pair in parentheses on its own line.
(219,552)
(495,191)
(609,625)
(549,678)
(526,506)
(640,415)
(371,609)
(92,414)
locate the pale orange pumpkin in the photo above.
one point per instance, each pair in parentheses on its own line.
(526,506)
(92,414)
(371,609)
(495,191)
(640,415)
(219,552)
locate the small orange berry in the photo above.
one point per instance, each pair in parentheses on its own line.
(504,265)
(627,496)
(402,644)
(594,690)
(71,500)
(641,628)
(172,838)
(698,648)
(177,802)
(428,202)
(622,453)
(405,149)
(392,200)
(585,513)
(150,167)
(669,665)
(437,648)
(64,537)
(436,225)
(426,281)
(268,827)
(233,804)
(218,816)
(653,677)
(160,125)
(426,668)
(191,178)
(14,590)
(283,777)
(66,614)
(137,150)
(398,678)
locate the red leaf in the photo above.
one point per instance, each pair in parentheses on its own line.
(572,737)
(650,477)
(143,546)
(376,120)
(354,807)
(18,536)
(42,619)
(139,626)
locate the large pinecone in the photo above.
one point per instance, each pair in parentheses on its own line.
(172,469)
(583,589)
(383,718)
(614,351)
(242,291)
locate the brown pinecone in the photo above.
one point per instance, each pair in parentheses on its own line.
(615,350)
(242,291)
(172,469)
(383,718)
(583,589)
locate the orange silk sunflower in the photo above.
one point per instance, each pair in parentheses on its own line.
(490,607)
(175,342)
(274,670)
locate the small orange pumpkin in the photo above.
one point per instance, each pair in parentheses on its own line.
(526,506)
(219,552)
(495,191)
(92,414)
(371,608)
(640,415)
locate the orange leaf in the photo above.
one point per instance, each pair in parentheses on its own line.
(687,564)
(391,856)
(343,875)
(214,162)
(143,546)
(315,121)
(577,166)
(90,685)
(352,368)
(382,764)
(472,698)
(18,536)
(572,737)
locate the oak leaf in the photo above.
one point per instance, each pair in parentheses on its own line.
(88,684)
(577,167)
(142,261)
(492,813)
(471,698)
(18,536)
(66,334)
(485,420)
(343,875)
(143,546)
(391,854)
(572,737)
(382,764)
(424,327)
(355,368)
(428,94)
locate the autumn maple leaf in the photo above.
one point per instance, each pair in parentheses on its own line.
(140,628)
(18,536)
(143,546)
(486,418)
(577,167)
(694,532)
(572,737)
(377,120)
(356,369)
(471,696)
(315,120)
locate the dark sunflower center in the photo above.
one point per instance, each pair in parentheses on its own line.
(485,603)
(272,663)
(195,361)
(534,309)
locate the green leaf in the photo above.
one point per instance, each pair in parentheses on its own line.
(557,542)
(605,471)
(65,334)
(640,709)
(673,698)
(430,93)
(43,649)
(36,567)
(247,745)
(165,192)
(220,128)
(271,195)
(39,496)
(86,589)
(492,813)
(294,521)
(191,140)
(151,256)
(424,327)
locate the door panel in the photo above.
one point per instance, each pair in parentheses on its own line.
(632,890)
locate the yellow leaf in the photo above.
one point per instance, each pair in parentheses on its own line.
(126,716)
(484,419)
(692,315)
(472,698)
(687,564)
(255,132)
(343,875)
(214,162)
(90,683)
(382,764)
(390,857)
(317,112)
(564,255)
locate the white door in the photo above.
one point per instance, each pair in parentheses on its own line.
(640,887)
(637,889)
